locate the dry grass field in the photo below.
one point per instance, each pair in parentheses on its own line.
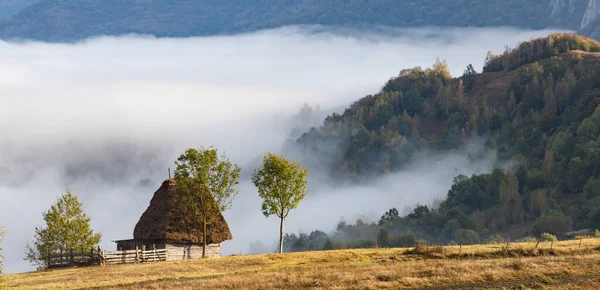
(522,266)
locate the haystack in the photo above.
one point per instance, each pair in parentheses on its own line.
(163,220)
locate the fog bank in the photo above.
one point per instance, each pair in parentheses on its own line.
(106,117)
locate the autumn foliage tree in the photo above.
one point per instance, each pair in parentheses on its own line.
(67,229)
(281,184)
(205,185)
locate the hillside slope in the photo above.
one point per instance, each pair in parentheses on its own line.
(537,105)
(67,20)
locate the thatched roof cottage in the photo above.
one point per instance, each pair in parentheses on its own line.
(164,226)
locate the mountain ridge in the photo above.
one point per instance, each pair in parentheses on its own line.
(72,20)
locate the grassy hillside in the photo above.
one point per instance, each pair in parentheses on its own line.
(64,20)
(566,266)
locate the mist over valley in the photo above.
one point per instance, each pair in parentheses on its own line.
(107,116)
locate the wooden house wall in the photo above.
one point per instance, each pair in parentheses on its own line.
(179,251)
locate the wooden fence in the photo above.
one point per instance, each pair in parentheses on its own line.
(74,259)
(133,256)
(97,257)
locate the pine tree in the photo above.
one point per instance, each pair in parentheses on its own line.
(461,93)
(67,229)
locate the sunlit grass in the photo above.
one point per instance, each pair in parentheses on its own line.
(341,269)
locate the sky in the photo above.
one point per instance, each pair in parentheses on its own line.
(106,118)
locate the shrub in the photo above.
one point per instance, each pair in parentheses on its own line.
(496,239)
(546,237)
(553,224)
(467,237)
(403,240)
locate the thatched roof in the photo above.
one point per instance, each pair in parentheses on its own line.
(163,220)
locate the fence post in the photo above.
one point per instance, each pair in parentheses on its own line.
(428,243)
(143,253)
(155,252)
(580,239)
(460,249)
(103,259)
(72,262)
(48,260)
(137,254)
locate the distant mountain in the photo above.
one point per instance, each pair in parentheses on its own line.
(69,20)
(11,7)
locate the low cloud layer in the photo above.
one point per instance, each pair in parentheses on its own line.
(106,117)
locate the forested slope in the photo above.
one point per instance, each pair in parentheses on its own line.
(537,104)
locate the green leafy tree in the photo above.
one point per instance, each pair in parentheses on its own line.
(67,229)
(205,185)
(281,184)
(383,238)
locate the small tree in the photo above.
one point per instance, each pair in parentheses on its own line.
(281,184)
(67,228)
(205,185)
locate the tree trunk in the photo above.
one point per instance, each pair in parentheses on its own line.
(204,238)
(281,237)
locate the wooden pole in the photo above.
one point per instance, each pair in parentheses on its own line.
(72,262)
(428,242)
(169,172)
(460,249)
(137,257)
(143,253)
